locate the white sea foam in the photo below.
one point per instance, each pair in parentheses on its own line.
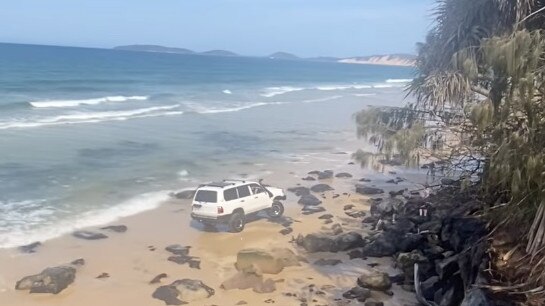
(24,233)
(74,103)
(343,87)
(227,92)
(365,94)
(183,173)
(212,110)
(92,117)
(399,80)
(322,99)
(270,92)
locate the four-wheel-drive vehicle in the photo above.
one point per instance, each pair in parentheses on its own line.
(230,201)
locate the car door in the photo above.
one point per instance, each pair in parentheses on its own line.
(231,199)
(246,201)
(260,197)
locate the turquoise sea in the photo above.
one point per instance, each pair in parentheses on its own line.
(91,135)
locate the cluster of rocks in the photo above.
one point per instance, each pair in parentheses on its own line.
(51,280)
(181,256)
(435,242)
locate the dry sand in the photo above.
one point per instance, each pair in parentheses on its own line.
(135,257)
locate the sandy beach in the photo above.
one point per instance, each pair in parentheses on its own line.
(130,260)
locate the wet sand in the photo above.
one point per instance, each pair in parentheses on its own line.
(135,257)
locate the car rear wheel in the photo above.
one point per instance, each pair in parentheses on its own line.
(276,210)
(237,221)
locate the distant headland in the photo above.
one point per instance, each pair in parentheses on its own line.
(385,59)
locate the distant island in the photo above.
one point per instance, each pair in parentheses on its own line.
(386,59)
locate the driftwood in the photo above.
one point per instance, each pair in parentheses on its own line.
(419,297)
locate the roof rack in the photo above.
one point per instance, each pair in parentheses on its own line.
(219,184)
(234,180)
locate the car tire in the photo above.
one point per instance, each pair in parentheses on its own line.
(276,210)
(237,222)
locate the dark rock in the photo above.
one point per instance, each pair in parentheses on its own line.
(447,267)
(177,249)
(51,280)
(308,178)
(321,188)
(326,216)
(366,190)
(78,262)
(299,191)
(313,243)
(369,220)
(355,213)
(359,293)
(336,229)
(327,174)
(249,279)
(430,286)
(373,303)
(183,291)
(309,210)
(158,278)
(343,175)
(87,235)
(383,245)
(476,297)
(408,287)
(184,194)
(434,226)
(348,207)
(348,241)
(327,262)
(309,200)
(116,228)
(397,279)
(355,254)
(376,280)
(365,180)
(328,221)
(193,262)
(103,275)
(410,242)
(286,231)
(30,248)
(315,172)
(448,181)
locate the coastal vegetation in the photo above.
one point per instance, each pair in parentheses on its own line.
(479,111)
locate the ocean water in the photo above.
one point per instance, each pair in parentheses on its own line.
(91,135)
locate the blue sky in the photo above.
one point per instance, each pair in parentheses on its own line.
(251,27)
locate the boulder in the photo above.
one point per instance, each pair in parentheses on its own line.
(355,213)
(193,262)
(309,210)
(430,286)
(336,229)
(365,180)
(299,191)
(266,261)
(383,245)
(30,248)
(177,249)
(321,188)
(366,190)
(184,194)
(308,178)
(375,280)
(157,279)
(286,231)
(183,291)
(249,279)
(373,303)
(51,280)
(313,243)
(343,175)
(116,228)
(359,293)
(327,174)
(87,235)
(326,216)
(309,200)
(348,241)
(327,262)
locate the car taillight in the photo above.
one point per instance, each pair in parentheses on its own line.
(220,210)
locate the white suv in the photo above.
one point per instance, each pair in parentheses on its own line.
(230,201)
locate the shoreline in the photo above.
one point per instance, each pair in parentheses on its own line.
(133,258)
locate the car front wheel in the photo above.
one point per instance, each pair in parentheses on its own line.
(236,223)
(276,210)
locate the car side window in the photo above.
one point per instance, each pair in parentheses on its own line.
(256,189)
(230,194)
(243,191)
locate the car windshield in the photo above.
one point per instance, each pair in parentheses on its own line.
(207,196)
